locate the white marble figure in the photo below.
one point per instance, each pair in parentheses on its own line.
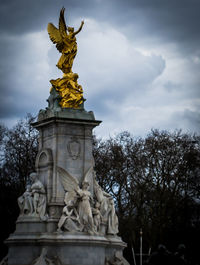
(33,201)
(102,197)
(97,216)
(69,220)
(112,219)
(25,202)
(39,197)
(107,209)
(84,208)
(71,185)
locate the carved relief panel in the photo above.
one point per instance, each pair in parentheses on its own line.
(74,148)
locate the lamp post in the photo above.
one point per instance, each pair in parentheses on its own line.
(140,246)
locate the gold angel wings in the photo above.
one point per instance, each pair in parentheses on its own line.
(65,40)
(70,92)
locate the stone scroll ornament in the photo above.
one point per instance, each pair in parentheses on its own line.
(70,92)
(33,202)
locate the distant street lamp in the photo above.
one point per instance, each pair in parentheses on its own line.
(140,246)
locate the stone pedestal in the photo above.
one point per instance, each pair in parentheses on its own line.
(72,249)
(65,141)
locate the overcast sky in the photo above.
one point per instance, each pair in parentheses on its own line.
(138,61)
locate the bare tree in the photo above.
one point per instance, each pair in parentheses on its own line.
(154,180)
(20,149)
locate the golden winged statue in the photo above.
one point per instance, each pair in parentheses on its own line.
(65,39)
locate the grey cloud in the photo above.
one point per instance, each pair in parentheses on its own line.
(188,120)
(168,20)
(171,86)
(152,23)
(123,85)
(193,119)
(17,79)
(21,16)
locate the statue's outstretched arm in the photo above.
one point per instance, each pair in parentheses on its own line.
(76,32)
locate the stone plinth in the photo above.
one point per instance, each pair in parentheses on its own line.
(66,143)
(30,225)
(65,140)
(73,249)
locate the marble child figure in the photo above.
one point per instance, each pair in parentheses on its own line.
(97,216)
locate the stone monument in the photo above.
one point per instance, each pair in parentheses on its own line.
(65,216)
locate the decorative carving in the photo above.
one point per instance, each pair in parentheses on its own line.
(53,211)
(33,200)
(53,100)
(117,259)
(44,166)
(44,260)
(74,148)
(44,157)
(4,261)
